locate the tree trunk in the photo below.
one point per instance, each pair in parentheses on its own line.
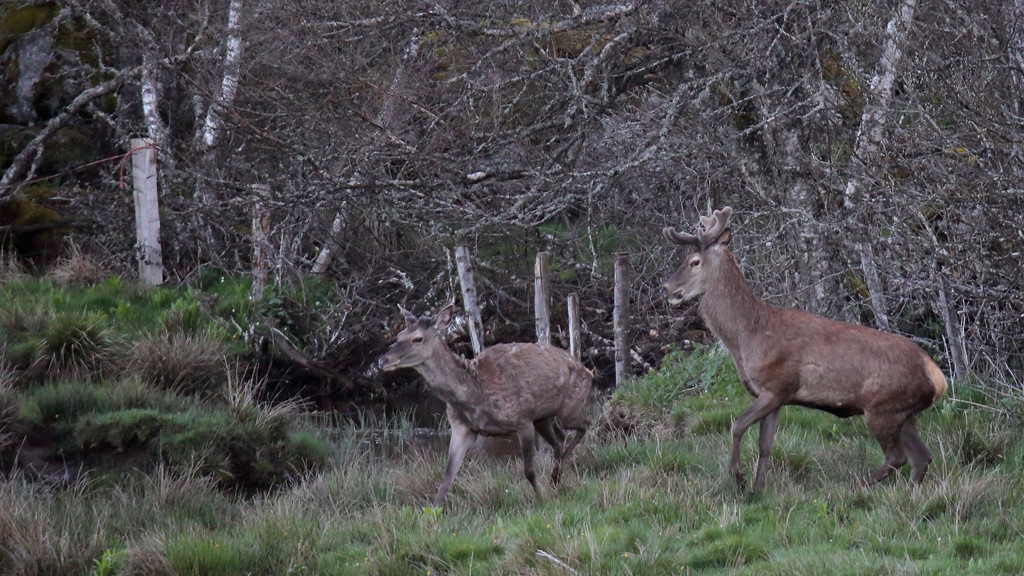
(573,303)
(149,90)
(213,125)
(465,267)
(323,259)
(542,299)
(1015,51)
(867,154)
(387,109)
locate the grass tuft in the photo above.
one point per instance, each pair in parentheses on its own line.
(74,346)
(182,363)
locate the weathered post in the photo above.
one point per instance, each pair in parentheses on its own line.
(147,211)
(620,317)
(469,297)
(541,299)
(260,240)
(574,325)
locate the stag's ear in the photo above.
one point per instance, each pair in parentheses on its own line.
(725,237)
(444,317)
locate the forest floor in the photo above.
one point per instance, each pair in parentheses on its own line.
(157,487)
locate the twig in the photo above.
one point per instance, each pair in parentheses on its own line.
(554,560)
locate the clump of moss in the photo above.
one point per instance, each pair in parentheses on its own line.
(15,22)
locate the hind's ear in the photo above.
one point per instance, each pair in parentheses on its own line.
(444,317)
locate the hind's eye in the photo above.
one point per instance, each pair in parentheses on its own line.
(418,339)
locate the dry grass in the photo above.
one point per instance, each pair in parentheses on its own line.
(244,391)
(76,266)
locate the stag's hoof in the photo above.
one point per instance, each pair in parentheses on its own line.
(741,481)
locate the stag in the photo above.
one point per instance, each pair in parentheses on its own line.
(507,389)
(786,356)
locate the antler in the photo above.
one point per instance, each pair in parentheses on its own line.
(680,237)
(713,225)
(408,316)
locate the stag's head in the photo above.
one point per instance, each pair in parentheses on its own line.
(419,341)
(689,281)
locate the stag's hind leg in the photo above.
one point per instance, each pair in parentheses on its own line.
(886,428)
(920,456)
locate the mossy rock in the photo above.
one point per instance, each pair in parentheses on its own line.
(74,35)
(20,211)
(17,21)
(67,148)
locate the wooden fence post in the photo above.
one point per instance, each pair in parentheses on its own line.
(260,240)
(574,325)
(620,317)
(147,211)
(469,297)
(542,299)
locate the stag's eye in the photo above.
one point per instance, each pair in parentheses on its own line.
(694,263)
(417,339)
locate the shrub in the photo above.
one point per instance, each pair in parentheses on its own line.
(182,317)
(656,400)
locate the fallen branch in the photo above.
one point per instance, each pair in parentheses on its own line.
(282,343)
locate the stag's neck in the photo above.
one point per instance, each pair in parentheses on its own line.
(450,377)
(730,308)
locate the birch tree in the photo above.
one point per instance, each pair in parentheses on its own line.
(211,130)
(864,166)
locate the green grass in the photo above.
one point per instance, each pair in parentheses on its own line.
(648,492)
(649,502)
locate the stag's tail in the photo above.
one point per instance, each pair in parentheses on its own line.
(936,377)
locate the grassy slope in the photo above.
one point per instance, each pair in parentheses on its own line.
(656,499)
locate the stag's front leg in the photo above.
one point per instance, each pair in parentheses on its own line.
(462,438)
(528,442)
(764,405)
